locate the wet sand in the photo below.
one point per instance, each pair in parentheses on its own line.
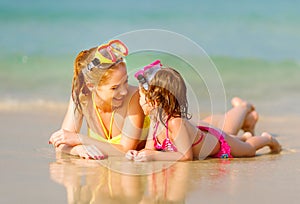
(31,171)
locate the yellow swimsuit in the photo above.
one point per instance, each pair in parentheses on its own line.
(117,139)
(108,134)
(114,140)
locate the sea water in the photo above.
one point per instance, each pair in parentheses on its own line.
(253,44)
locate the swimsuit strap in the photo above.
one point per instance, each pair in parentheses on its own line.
(108,135)
(155,130)
(166,145)
(199,140)
(156,144)
(167,142)
(167,129)
(217,133)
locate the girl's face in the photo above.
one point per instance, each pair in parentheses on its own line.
(146,106)
(115,90)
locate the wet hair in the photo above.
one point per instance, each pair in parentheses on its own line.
(82,76)
(167,90)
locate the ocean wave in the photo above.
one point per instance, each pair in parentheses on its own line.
(39,104)
(255,61)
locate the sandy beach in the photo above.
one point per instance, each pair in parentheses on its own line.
(254,46)
(31,172)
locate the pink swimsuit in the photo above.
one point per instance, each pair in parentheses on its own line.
(224,147)
(167,145)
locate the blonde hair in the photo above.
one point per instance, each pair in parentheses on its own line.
(82,76)
(167,90)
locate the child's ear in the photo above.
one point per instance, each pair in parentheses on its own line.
(90,86)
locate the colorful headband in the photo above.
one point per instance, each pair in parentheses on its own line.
(108,54)
(146,74)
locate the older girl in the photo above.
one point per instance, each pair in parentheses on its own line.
(102,96)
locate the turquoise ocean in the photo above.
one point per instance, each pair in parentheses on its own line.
(253,44)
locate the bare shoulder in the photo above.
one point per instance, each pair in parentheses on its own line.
(133,100)
(175,123)
(181,126)
(133,92)
(132,89)
(133,96)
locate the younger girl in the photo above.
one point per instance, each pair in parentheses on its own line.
(172,136)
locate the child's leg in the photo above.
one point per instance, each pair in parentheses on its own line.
(241,116)
(252,116)
(239,148)
(265,140)
(252,144)
(244,136)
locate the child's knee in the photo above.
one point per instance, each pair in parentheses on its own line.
(251,151)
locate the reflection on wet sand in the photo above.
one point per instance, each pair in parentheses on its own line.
(86,181)
(89,181)
(168,185)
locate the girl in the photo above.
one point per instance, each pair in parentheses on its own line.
(172,136)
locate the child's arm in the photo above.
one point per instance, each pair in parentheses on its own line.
(153,155)
(178,134)
(131,154)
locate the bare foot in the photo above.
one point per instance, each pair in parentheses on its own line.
(274,144)
(245,136)
(252,116)
(236,101)
(250,122)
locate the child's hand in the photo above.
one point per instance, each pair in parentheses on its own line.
(131,154)
(144,155)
